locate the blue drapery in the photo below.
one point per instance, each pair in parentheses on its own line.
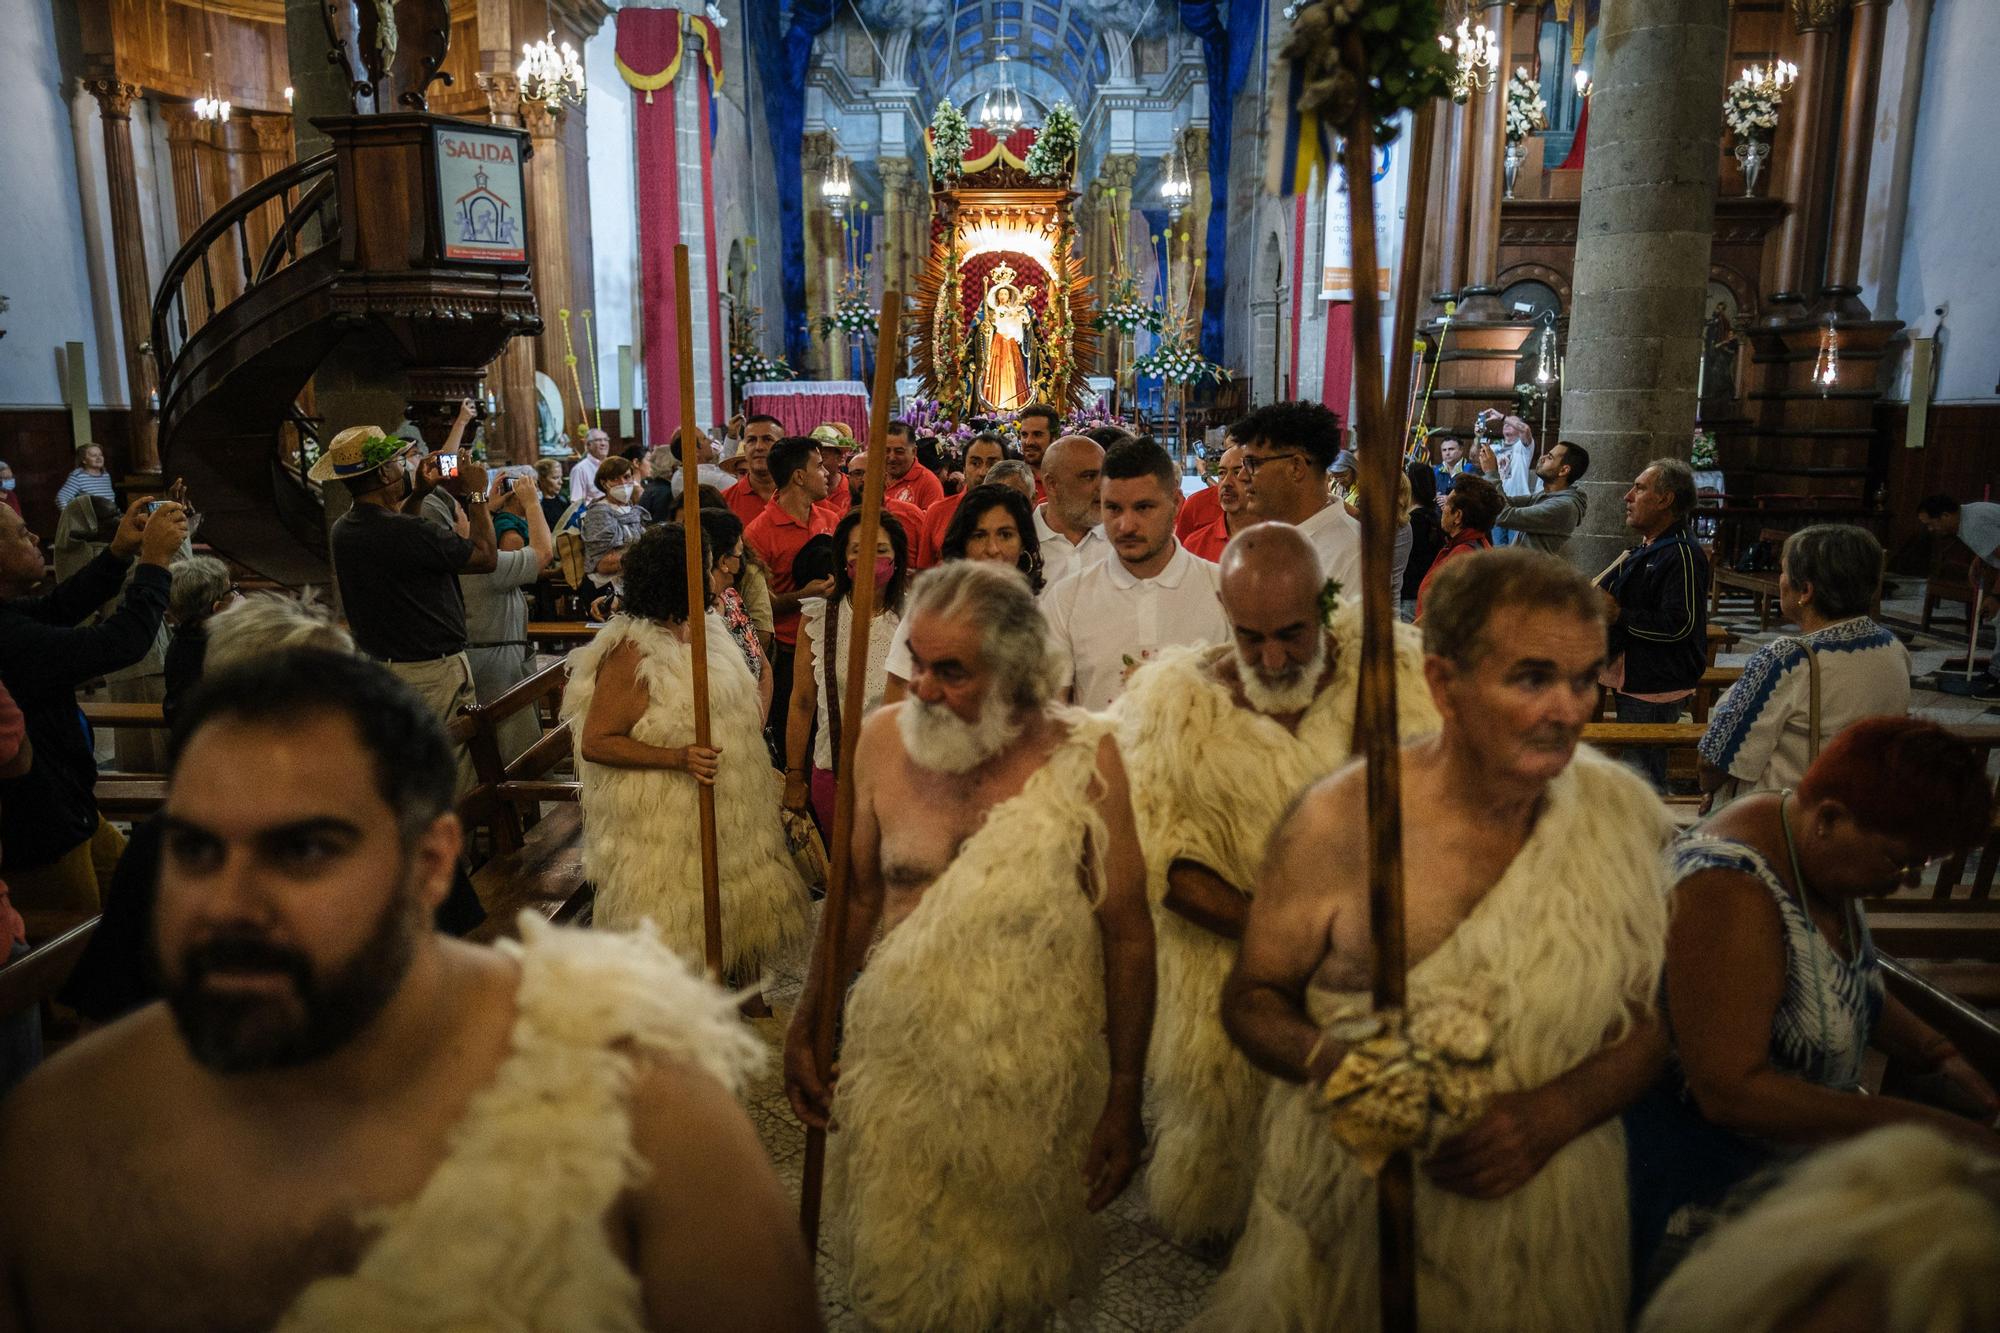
(1227,45)
(782,60)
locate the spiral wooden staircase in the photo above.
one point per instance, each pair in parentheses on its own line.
(357,261)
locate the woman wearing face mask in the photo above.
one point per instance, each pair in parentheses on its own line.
(612,523)
(722,531)
(814,684)
(7,483)
(994,523)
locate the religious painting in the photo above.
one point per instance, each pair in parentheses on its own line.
(480,195)
(1721,351)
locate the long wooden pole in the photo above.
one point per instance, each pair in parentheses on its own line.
(853,703)
(1409,278)
(1375,710)
(697,577)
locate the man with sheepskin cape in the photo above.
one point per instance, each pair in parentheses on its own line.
(1217,741)
(988,1086)
(1535,911)
(630,705)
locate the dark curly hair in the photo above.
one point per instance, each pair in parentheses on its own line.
(1312,427)
(899,542)
(655,574)
(977,504)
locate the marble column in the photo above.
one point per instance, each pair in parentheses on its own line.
(548,247)
(822,235)
(1841,295)
(1807,134)
(1643,239)
(185,136)
(1191,266)
(892,246)
(128,242)
(1487,146)
(511,436)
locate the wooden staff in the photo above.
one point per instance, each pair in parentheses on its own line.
(853,703)
(1375,709)
(697,577)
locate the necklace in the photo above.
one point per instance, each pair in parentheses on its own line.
(1805,910)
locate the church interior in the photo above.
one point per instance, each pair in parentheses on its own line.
(234,228)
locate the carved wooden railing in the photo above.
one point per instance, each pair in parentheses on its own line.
(305,193)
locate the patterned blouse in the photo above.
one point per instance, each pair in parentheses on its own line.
(729,605)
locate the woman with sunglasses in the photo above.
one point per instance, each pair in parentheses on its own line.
(1773,991)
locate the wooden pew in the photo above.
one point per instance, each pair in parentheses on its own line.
(102,713)
(560,636)
(1975,1035)
(1954,914)
(530,860)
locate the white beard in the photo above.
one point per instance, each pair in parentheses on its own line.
(943,742)
(1295,696)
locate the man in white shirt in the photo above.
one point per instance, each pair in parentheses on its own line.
(1120,612)
(707,463)
(583,476)
(1066,522)
(1287,449)
(1977,524)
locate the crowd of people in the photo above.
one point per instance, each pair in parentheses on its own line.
(1108,881)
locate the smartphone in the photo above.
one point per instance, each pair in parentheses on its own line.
(151,505)
(448,465)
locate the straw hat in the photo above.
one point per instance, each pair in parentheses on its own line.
(835,437)
(358,451)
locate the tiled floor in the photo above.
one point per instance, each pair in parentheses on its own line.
(1147,1284)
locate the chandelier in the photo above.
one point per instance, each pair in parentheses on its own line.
(550,74)
(838,187)
(1177,186)
(210,107)
(1478,52)
(1772,82)
(1002,114)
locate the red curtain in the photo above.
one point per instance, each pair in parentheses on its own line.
(1337,385)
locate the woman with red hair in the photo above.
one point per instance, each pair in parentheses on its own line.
(1773,990)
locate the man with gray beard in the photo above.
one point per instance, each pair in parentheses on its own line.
(1219,739)
(988,1090)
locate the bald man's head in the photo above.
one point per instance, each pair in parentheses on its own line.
(1069,475)
(1270,589)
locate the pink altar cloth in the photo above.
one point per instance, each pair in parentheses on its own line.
(804,404)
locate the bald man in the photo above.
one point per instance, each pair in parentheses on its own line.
(1219,739)
(1209,539)
(1067,521)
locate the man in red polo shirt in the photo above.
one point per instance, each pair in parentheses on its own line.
(835,447)
(1205,505)
(1209,540)
(754,489)
(909,481)
(981,454)
(1037,427)
(854,475)
(788,522)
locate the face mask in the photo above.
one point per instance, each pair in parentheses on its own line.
(7,485)
(620,494)
(885,569)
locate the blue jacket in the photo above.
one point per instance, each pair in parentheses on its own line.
(1662,626)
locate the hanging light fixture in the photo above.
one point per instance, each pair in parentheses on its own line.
(1002,113)
(1545,354)
(1177,186)
(1826,366)
(1477,51)
(1583,85)
(550,74)
(210,107)
(838,187)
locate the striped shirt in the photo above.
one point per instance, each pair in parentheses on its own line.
(86,483)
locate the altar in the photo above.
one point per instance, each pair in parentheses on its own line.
(1003,312)
(800,405)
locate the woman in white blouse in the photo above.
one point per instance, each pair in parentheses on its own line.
(1760,737)
(814,686)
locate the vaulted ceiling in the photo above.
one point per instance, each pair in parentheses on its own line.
(1058,37)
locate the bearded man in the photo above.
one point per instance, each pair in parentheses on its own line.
(339,1120)
(988,1092)
(1218,740)
(1539,909)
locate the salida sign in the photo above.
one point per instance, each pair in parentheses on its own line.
(479,194)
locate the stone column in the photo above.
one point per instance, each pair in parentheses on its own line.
(548,243)
(1807,133)
(1642,251)
(892,250)
(128,242)
(1192,264)
(1488,143)
(511,437)
(1842,294)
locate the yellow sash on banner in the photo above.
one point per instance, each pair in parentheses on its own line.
(648,83)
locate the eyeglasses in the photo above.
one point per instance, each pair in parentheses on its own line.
(1251,462)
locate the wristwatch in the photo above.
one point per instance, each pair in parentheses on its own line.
(473,499)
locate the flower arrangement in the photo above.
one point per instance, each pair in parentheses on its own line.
(1703,454)
(1750,108)
(1125,312)
(747,365)
(1055,147)
(1406,66)
(1526,111)
(950,138)
(1056,329)
(852,315)
(1176,361)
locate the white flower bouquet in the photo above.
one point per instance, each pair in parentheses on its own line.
(1526,111)
(951,137)
(1750,108)
(1055,147)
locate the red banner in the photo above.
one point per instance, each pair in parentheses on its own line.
(649,42)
